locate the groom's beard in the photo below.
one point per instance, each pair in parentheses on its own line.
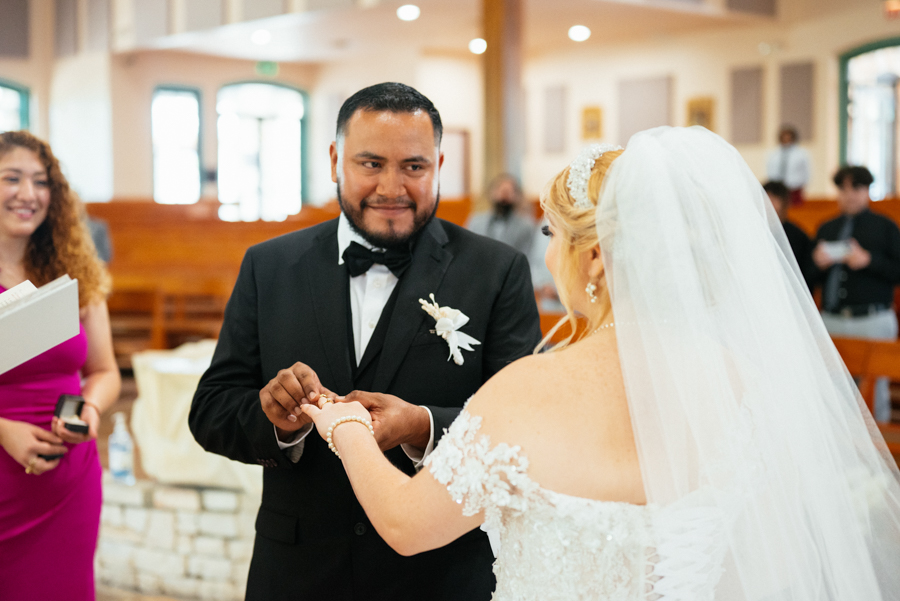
(384,240)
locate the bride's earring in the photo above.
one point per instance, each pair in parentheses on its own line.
(591,289)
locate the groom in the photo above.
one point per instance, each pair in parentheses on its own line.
(318,311)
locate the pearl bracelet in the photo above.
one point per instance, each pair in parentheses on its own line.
(344,420)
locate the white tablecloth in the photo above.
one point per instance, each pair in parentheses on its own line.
(166,381)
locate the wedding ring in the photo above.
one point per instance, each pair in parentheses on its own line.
(324,400)
(30,468)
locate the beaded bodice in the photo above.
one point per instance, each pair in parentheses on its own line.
(558,547)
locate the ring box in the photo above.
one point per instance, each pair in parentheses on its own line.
(68,410)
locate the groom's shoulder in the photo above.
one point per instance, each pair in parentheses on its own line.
(295,243)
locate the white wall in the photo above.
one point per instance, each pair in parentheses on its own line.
(700,65)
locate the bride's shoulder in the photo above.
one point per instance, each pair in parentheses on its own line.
(519,384)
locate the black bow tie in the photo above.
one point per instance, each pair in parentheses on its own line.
(359,259)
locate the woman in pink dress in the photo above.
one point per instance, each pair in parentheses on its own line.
(50,509)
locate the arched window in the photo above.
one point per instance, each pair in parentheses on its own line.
(261,128)
(13,106)
(869,99)
(175,129)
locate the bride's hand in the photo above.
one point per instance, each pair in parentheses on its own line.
(329,412)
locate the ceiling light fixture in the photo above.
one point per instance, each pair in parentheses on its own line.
(579,33)
(408,12)
(477,46)
(892,9)
(261,37)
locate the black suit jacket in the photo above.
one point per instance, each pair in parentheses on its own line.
(290,304)
(875,283)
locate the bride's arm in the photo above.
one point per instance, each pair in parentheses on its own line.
(411,514)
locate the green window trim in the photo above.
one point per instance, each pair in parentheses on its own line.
(24,101)
(844,87)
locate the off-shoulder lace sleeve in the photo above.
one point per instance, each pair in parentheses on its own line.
(480,477)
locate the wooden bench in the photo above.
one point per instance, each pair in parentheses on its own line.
(869,360)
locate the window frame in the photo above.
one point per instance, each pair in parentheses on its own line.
(199,94)
(304,129)
(844,88)
(24,101)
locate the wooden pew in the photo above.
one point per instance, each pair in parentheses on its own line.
(174,266)
(869,360)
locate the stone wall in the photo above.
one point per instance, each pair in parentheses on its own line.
(187,542)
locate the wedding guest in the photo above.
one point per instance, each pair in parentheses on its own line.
(700,439)
(100,235)
(50,477)
(857,257)
(800,243)
(505,220)
(789,163)
(338,307)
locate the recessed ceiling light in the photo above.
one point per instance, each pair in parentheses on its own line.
(261,37)
(579,33)
(477,46)
(408,12)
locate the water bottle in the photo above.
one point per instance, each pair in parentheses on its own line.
(121,451)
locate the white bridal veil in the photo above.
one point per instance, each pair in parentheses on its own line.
(737,394)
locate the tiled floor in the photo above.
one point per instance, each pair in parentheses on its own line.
(110,594)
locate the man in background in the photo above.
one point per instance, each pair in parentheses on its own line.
(857,257)
(799,241)
(505,221)
(789,163)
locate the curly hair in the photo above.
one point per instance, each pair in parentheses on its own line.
(61,244)
(578,230)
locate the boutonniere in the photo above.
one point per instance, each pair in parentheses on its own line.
(448,322)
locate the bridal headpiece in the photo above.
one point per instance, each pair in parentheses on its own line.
(580,172)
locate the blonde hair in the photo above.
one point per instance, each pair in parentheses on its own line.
(577,229)
(62,244)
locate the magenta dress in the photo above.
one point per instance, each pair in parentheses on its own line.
(48,523)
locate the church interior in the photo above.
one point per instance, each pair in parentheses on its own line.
(194,129)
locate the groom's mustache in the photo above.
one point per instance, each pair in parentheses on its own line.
(388,203)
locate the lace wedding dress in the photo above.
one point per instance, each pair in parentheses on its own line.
(560,547)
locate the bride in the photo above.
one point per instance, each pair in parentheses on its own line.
(702,440)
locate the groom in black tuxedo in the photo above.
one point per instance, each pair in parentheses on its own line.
(335,308)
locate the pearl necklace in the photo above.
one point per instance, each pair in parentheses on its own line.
(611,324)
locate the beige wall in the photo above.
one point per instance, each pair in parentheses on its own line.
(35,72)
(700,65)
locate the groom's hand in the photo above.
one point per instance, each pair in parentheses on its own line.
(395,421)
(286,392)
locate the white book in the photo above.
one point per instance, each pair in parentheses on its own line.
(34,320)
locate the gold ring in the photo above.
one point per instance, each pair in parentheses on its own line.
(30,468)
(324,400)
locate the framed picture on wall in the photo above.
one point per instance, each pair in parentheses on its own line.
(701,111)
(591,123)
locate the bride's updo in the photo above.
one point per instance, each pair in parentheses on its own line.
(578,231)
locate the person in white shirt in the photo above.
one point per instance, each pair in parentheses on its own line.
(789,163)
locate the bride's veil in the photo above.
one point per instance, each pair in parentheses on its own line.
(737,394)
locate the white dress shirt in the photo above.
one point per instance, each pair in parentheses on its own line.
(789,165)
(369,293)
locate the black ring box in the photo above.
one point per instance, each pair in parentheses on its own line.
(68,410)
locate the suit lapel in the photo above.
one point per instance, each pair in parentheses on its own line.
(430,262)
(327,286)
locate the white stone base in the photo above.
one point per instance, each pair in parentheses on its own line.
(188,542)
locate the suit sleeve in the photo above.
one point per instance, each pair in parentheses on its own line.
(226,416)
(885,262)
(514,330)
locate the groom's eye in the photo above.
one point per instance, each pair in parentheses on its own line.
(545,229)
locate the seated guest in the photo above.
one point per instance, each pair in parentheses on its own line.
(857,257)
(800,242)
(100,235)
(505,221)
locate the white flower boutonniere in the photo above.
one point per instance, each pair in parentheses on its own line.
(447,327)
